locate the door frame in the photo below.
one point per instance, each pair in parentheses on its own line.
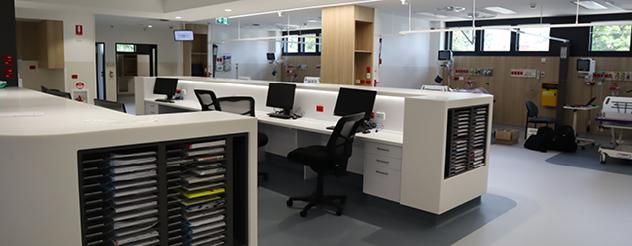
(143,49)
(103,66)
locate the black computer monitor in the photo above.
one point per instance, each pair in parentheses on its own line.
(166,87)
(353,101)
(281,95)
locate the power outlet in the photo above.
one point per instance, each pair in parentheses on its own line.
(380,116)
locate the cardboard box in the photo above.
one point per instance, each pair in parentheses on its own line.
(506,136)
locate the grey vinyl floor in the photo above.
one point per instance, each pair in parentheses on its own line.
(529,202)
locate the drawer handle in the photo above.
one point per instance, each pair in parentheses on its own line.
(383,149)
(383,162)
(383,173)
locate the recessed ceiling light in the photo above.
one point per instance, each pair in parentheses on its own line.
(501,10)
(228,10)
(590,5)
(150,26)
(178,17)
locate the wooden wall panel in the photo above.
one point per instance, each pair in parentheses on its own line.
(312,70)
(338,45)
(510,93)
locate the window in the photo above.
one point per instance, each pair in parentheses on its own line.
(463,40)
(292,44)
(496,40)
(126,48)
(310,43)
(611,38)
(301,43)
(534,39)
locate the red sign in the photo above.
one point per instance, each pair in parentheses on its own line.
(80,85)
(79,30)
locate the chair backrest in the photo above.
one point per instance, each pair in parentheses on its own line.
(208,100)
(59,94)
(532,110)
(340,143)
(110,105)
(238,105)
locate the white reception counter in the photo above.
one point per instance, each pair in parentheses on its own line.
(44,190)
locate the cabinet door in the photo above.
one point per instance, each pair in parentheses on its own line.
(382,182)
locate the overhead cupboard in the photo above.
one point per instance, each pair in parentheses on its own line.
(420,156)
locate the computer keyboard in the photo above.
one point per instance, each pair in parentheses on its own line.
(280,116)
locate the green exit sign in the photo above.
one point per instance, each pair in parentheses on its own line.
(222,21)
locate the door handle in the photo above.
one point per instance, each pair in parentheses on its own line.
(383,173)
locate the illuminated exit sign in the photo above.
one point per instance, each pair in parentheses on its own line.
(222,21)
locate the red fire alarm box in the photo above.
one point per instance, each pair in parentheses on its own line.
(79,30)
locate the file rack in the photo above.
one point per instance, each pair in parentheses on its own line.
(165,194)
(467,139)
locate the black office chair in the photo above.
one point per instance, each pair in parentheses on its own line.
(328,160)
(208,100)
(110,105)
(244,106)
(59,93)
(533,118)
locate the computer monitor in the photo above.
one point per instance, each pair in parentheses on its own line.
(281,95)
(445,55)
(183,35)
(166,87)
(353,101)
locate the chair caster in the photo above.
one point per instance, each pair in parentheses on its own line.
(303,214)
(343,201)
(339,212)
(289,203)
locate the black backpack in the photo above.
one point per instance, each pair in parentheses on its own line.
(565,140)
(541,141)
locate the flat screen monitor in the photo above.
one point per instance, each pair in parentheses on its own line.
(584,65)
(281,95)
(445,55)
(183,35)
(353,101)
(166,87)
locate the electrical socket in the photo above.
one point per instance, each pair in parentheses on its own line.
(380,116)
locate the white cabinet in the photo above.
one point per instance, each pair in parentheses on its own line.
(382,171)
(382,182)
(151,108)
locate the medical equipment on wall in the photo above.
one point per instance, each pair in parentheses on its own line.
(586,67)
(446,61)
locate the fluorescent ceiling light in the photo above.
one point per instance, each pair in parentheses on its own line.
(304,8)
(228,10)
(432,15)
(612,5)
(590,5)
(501,10)
(178,17)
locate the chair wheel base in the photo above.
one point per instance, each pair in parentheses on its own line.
(289,203)
(303,214)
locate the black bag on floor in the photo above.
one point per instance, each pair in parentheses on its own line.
(541,141)
(565,140)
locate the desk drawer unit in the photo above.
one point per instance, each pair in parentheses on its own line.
(382,182)
(384,150)
(383,162)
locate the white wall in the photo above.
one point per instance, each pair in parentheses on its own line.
(169,51)
(79,51)
(250,55)
(407,61)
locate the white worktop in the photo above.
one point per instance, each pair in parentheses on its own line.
(25,112)
(304,124)
(385,91)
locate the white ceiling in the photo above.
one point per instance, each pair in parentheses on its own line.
(206,10)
